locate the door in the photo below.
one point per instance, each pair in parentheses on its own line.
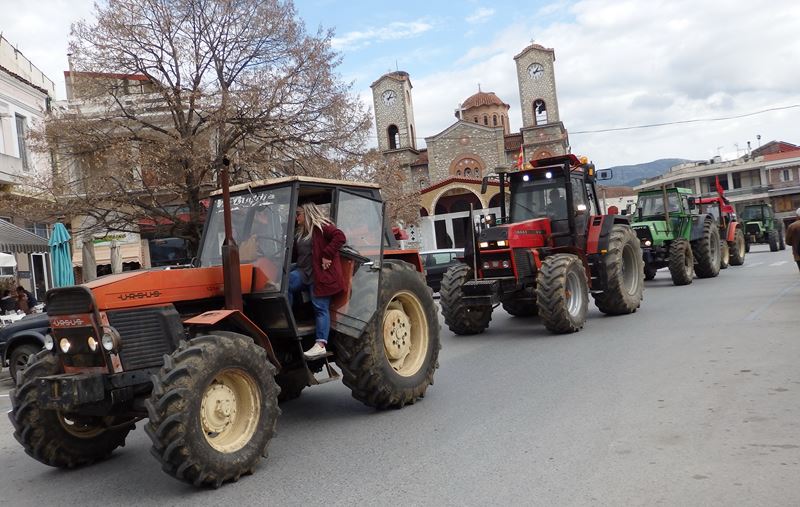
(39,276)
(361,220)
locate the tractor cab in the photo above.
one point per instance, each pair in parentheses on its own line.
(263,226)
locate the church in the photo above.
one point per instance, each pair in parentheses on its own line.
(448,171)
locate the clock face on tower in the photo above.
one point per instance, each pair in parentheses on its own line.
(389,97)
(535,70)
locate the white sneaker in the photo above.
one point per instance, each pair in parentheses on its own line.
(316,351)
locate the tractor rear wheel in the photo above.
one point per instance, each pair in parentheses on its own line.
(650,271)
(213,409)
(624,273)
(392,363)
(724,254)
(60,439)
(781,240)
(772,239)
(524,305)
(562,293)
(460,318)
(738,248)
(681,262)
(291,383)
(706,251)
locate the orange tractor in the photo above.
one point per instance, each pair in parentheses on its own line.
(201,351)
(547,255)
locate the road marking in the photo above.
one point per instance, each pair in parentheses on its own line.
(4,396)
(780,263)
(758,311)
(750,265)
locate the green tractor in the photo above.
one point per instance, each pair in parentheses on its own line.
(674,234)
(761,226)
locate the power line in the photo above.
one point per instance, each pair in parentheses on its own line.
(680,122)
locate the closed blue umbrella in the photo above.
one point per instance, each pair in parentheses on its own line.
(60,256)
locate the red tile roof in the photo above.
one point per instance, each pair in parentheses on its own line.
(782,155)
(455,179)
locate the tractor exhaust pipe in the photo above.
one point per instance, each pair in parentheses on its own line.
(231,274)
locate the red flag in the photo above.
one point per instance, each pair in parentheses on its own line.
(521,157)
(720,190)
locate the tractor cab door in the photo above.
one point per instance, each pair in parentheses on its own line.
(581,209)
(360,217)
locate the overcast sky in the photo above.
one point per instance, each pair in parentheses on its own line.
(618,63)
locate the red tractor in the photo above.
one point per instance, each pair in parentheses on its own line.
(731,232)
(546,257)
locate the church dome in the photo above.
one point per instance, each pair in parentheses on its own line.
(483,99)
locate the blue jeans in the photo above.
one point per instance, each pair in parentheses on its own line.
(322,314)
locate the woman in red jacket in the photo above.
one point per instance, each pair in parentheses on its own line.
(319,269)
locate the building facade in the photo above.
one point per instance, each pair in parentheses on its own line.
(448,171)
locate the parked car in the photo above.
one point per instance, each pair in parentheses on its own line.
(436,262)
(18,341)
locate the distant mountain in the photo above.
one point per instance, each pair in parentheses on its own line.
(632,175)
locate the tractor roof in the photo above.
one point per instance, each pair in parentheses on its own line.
(658,191)
(271,182)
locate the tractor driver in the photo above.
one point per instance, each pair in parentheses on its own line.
(557,209)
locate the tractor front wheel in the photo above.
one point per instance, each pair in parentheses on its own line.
(523,304)
(213,409)
(738,248)
(681,262)
(55,438)
(724,254)
(650,271)
(707,251)
(392,363)
(772,239)
(624,273)
(562,293)
(460,318)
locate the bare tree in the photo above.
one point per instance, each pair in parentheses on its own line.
(168,88)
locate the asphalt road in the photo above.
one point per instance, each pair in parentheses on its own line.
(693,400)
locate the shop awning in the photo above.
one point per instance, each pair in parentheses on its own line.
(17,240)
(7,261)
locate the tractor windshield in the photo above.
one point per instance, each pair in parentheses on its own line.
(653,204)
(752,213)
(534,195)
(259,221)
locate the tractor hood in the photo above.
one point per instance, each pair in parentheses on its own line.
(529,233)
(657,227)
(162,286)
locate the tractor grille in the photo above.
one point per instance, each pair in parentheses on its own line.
(524,263)
(147,334)
(643,233)
(69,301)
(753,229)
(496,270)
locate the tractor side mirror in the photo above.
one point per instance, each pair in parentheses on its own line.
(484,184)
(639,212)
(605,174)
(691,202)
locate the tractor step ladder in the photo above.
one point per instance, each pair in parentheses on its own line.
(329,369)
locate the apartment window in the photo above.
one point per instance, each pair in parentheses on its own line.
(786,175)
(737,180)
(23,152)
(38,228)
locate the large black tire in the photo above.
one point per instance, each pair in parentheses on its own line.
(724,254)
(18,359)
(781,240)
(460,318)
(681,262)
(392,363)
(746,246)
(650,271)
(213,409)
(706,251)
(57,439)
(738,248)
(562,293)
(772,239)
(292,384)
(524,305)
(624,273)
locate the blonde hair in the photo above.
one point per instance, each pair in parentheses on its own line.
(314,217)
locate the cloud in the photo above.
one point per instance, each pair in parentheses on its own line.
(482,15)
(393,31)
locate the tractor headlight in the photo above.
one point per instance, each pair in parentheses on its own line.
(506,264)
(49,343)
(64,345)
(502,243)
(647,242)
(109,340)
(483,244)
(486,265)
(93,344)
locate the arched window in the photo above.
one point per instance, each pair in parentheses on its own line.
(486,119)
(413,139)
(458,173)
(394,137)
(467,172)
(476,119)
(494,120)
(503,120)
(540,112)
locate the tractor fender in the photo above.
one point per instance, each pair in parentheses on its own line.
(410,256)
(697,225)
(730,236)
(239,322)
(599,231)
